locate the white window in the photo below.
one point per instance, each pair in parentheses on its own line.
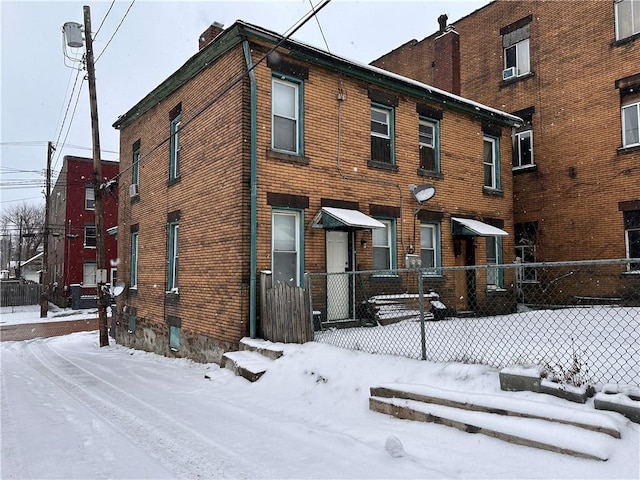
(383,251)
(494,257)
(285,247)
(517,56)
(627,18)
(430,247)
(523,149)
(89,198)
(90,236)
(491,164)
(428,144)
(630,123)
(172,280)
(382,134)
(89,274)
(285,111)
(134,259)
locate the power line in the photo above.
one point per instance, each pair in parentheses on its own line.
(320,27)
(73,114)
(103,19)
(115,31)
(291,31)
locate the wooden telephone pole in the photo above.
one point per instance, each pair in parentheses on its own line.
(101,272)
(44,296)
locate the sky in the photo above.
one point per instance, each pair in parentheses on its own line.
(73,410)
(137,45)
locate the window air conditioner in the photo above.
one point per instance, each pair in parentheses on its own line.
(507,73)
(133,190)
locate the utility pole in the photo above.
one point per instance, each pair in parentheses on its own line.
(97,182)
(19,266)
(44,295)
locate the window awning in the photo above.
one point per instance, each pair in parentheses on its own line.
(332,218)
(467,226)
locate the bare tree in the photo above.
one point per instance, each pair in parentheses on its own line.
(25,217)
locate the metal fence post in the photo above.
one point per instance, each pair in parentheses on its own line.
(423,338)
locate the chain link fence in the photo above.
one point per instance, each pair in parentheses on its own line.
(581,318)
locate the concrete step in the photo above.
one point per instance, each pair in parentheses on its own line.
(503,404)
(547,426)
(248,364)
(264,347)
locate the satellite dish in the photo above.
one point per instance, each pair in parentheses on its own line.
(422,193)
(117,289)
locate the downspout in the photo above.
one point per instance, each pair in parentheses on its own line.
(253,264)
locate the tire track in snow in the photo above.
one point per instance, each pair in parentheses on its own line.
(181,450)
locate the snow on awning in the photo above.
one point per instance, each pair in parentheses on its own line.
(466,226)
(332,218)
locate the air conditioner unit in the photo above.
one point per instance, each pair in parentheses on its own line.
(508,73)
(133,190)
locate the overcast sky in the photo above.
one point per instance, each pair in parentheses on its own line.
(40,104)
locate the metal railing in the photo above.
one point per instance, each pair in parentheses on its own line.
(578,317)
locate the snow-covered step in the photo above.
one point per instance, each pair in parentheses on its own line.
(248,364)
(264,347)
(503,404)
(531,432)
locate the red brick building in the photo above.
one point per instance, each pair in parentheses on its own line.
(72,247)
(290,159)
(571,70)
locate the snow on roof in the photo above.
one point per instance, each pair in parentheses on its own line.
(480,228)
(350,218)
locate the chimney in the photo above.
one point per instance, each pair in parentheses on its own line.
(446,48)
(210,34)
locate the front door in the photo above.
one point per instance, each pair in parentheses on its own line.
(337,285)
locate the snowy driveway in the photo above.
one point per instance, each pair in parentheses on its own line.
(73,410)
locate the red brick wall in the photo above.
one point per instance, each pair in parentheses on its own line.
(581,176)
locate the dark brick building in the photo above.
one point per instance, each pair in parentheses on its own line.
(571,70)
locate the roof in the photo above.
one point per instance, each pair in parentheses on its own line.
(468,226)
(241,30)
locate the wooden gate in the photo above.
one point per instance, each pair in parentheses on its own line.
(285,313)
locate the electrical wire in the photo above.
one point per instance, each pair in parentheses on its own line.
(115,31)
(291,31)
(320,28)
(73,114)
(113,2)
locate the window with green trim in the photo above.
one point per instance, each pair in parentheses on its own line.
(174,162)
(429,144)
(383,240)
(286,115)
(382,133)
(430,248)
(286,247)
(135,164)
(494,257)
(134,260)
(172,277)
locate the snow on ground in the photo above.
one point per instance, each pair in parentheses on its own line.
(73,410)
(31,314)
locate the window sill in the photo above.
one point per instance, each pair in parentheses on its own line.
(133,291)
(382,165)
(629,149)
(496,290)
(135,199)
(432,277)
(511,81)
(527,169)
(528,282)
(90,247)
(173,181)
(624,41)
(287,157)
(630,274)
(492,192)
(385,278)
(429,173)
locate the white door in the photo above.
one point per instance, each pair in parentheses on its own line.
(337,285)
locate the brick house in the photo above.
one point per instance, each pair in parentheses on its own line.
(571,70)
(72,243)
(290,159)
